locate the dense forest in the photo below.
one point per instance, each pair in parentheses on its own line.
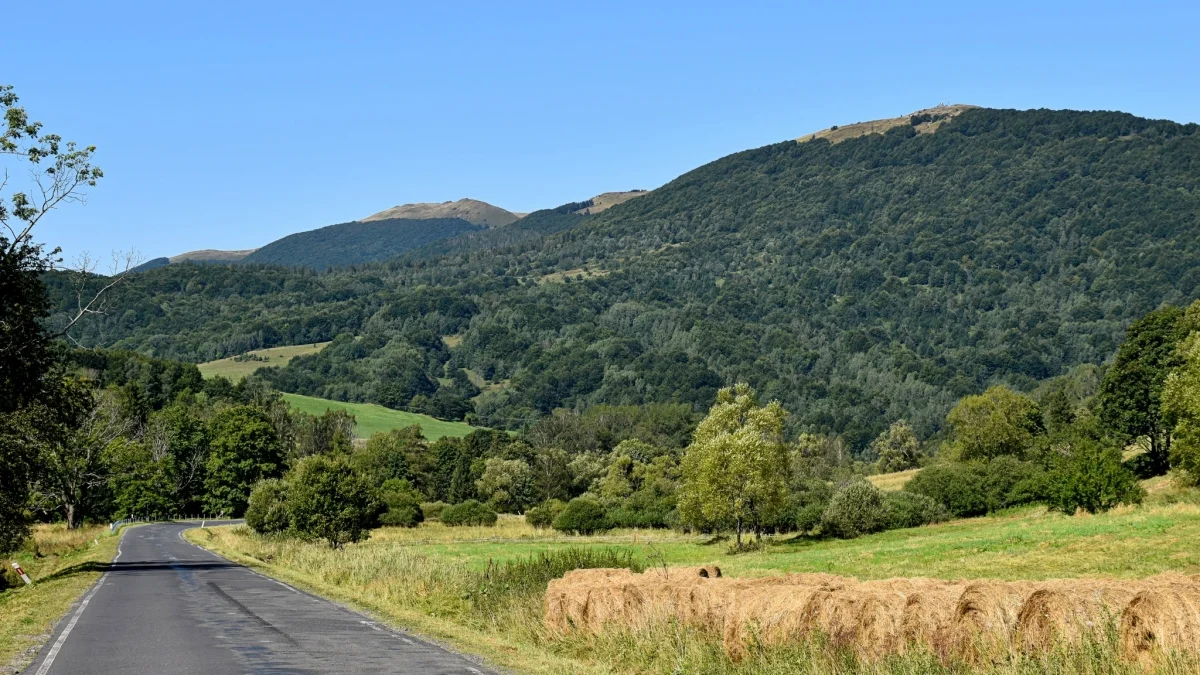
(358,242)
(859,283)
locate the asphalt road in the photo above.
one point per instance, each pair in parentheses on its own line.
(168,606)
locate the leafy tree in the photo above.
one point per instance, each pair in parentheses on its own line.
(997,422)
(329,500)
(582,515)
(1089,475)
(552,474)
(140,482)
(855,509)
(959,487)
(897,449)
(1130,395)
(507,484)
(735,471)
(73,473)
(385,455)
(1181,403)
(542,516)
(243,449)
(268,510)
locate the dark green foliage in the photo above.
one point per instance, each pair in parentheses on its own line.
(153,263)
(402,509)
(542,516)
(582,515)
(1131,393)
(957,486)
(268,511)
(328,500)
(1090,476)
(243,449)
(1008,481)
(909,509)
(16,471)
(856,509)
(470,512)
(530,576)
(644,509)
(357,242)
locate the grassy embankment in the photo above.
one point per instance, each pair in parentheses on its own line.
(63,564)
(371,418)
(429,579)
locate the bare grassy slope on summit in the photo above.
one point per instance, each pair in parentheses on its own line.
(938,114)
(471,210)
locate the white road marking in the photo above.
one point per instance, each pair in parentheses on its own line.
(62,638)
(475,670)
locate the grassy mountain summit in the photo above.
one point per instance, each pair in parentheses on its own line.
(471,210)
(859,282)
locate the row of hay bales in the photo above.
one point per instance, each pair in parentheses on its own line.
(968,620)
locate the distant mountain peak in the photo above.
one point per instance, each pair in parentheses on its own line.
(471,210)
(607,200)
(924,121)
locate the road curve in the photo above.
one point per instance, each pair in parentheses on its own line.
(168,606)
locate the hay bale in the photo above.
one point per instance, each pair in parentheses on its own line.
(928,616)
(1070,612)
(1162,618)
(984,618)
(770,611)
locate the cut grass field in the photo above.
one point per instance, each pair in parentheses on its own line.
(372,419)
(63,564)
(424,579)
(890,482)
(275,356)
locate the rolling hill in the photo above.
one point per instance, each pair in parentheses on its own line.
(358,242)
(874,278)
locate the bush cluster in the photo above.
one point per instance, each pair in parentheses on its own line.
(470,512)
(583,515)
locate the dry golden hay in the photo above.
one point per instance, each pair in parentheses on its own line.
(984,618)
(1162,618)
(768,613)
(1070,612)
(928,615)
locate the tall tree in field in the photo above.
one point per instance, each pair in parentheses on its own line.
(243,449)
(997,422)
(1131,393)
(735,471)
(1181,404)
(897,448)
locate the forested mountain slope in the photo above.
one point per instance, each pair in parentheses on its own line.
(860,282)
(358,242)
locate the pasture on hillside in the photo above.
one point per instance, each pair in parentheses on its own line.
(372,419)
(235,369)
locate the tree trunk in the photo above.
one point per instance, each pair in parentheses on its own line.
(739,531)
(71,522)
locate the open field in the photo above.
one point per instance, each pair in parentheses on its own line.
(892,481)
(275,356)
(62,564)
(373,418)
(429,579)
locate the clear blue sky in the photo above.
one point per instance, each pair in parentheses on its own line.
(228,125)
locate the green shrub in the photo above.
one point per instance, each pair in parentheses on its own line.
(1008,481)
(400,501)
(644,510)
(855,509)
(909,509)
(957,486)
(470,512)
(1091,476)
(542,516)
(329,500)
(268,512)
(583,515)
(433,510)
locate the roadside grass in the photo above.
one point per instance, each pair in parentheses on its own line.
(63,564)
(275,356)
(427,579)
(372,419)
